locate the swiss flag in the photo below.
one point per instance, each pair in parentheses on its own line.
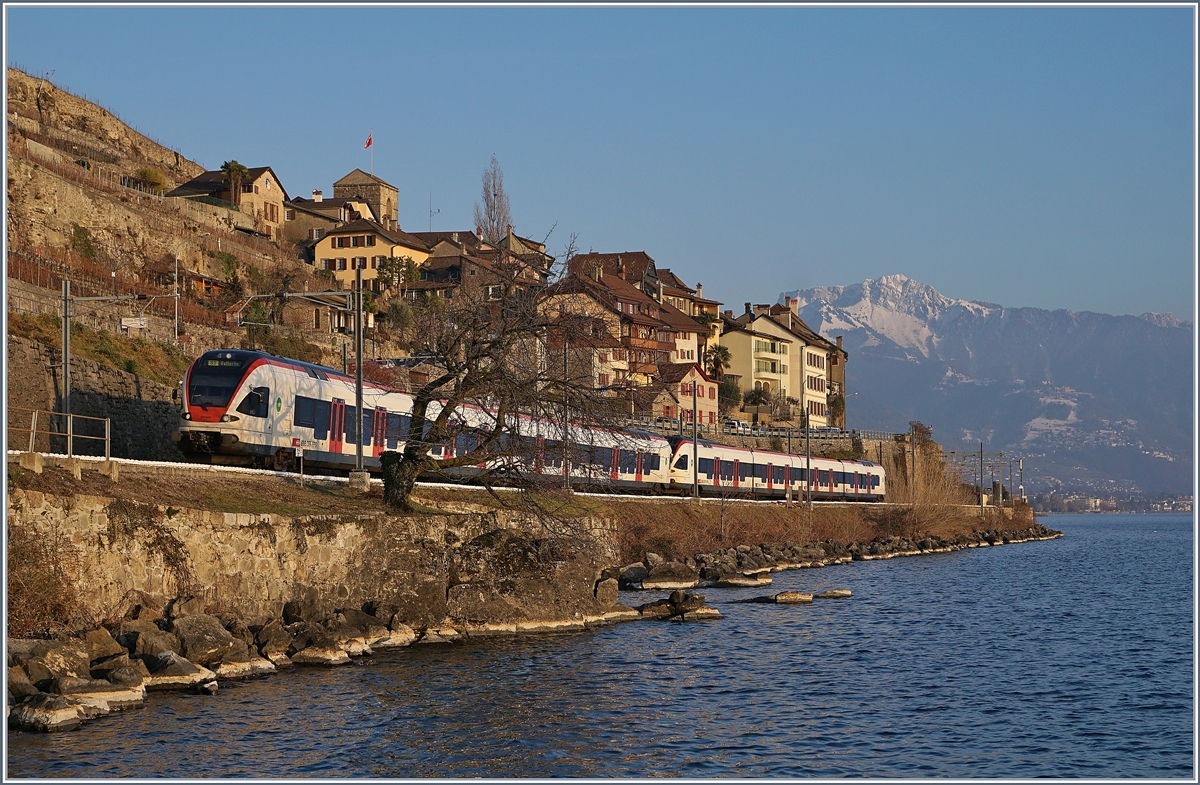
(368,144)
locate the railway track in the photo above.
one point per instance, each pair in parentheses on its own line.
(204,467)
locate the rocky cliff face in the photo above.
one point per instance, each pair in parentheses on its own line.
(1098,403)
(67,121)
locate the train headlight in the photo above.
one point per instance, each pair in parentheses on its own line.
(187,415)
(229,418)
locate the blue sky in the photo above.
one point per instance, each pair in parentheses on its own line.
(1023,156)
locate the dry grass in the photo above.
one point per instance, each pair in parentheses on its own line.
(937,499)
(41,591)
(159,362)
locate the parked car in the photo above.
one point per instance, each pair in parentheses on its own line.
(665,422)
(758,430)
(734,425)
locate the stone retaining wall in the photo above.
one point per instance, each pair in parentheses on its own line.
(500,567)
(141,411)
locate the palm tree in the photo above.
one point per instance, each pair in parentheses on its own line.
(236,173)
(716,359)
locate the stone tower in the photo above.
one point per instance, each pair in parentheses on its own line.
(382,196)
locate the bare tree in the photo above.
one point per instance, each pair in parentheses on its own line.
(493,217)
(497,394)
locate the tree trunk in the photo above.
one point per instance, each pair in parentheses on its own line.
(399,476)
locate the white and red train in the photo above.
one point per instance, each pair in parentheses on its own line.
(252,408)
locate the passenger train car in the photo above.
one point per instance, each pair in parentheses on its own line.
(251,408)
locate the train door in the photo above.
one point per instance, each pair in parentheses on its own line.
(337,425)
(379,432)
(615,463)
(770,476)
(538,453)
(716,470)
(637,469)
(737,472)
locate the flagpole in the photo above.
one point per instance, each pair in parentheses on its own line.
(372,138)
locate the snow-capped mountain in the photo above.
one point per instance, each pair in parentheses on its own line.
(1097,402)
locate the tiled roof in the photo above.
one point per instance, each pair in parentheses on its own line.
(433,238)
(215,181)
(668,278)
(359,176)
(679,320)
(673,373)
(636,263)
(394,235)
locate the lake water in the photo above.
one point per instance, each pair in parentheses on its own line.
(1067,658)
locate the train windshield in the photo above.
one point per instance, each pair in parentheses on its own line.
(215,376)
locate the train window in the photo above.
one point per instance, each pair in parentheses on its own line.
(778,478)
(305,414)
(874,480)
(760,471)
(705,466)
(256,403)
(653,462)
(552,450)
(744,470)
(321,419)
(213,379)
(351,435)
(628,461)
(682,462)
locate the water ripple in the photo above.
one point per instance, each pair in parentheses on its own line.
(1063,658)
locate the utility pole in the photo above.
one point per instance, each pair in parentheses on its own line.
(177,300)
(566,427)
(358,349)
(695,449)
(981,479)
(912,440)
(1021,466)
(66,348)
(808,466)
(1000,471)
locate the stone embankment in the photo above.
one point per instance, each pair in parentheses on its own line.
(751,565)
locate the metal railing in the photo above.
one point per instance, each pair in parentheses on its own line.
(51,422)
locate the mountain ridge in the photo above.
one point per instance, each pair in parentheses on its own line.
(1102,402)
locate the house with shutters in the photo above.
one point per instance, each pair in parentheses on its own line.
(692,302)
(262,196)
(634,318)
(364,245)
(773,349)
(679,380)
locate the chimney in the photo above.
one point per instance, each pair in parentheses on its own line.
(596,272)
(317,196)
(454,237)
(839,341)
(729,314)
(620,268)
(748,308)
(700,290)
